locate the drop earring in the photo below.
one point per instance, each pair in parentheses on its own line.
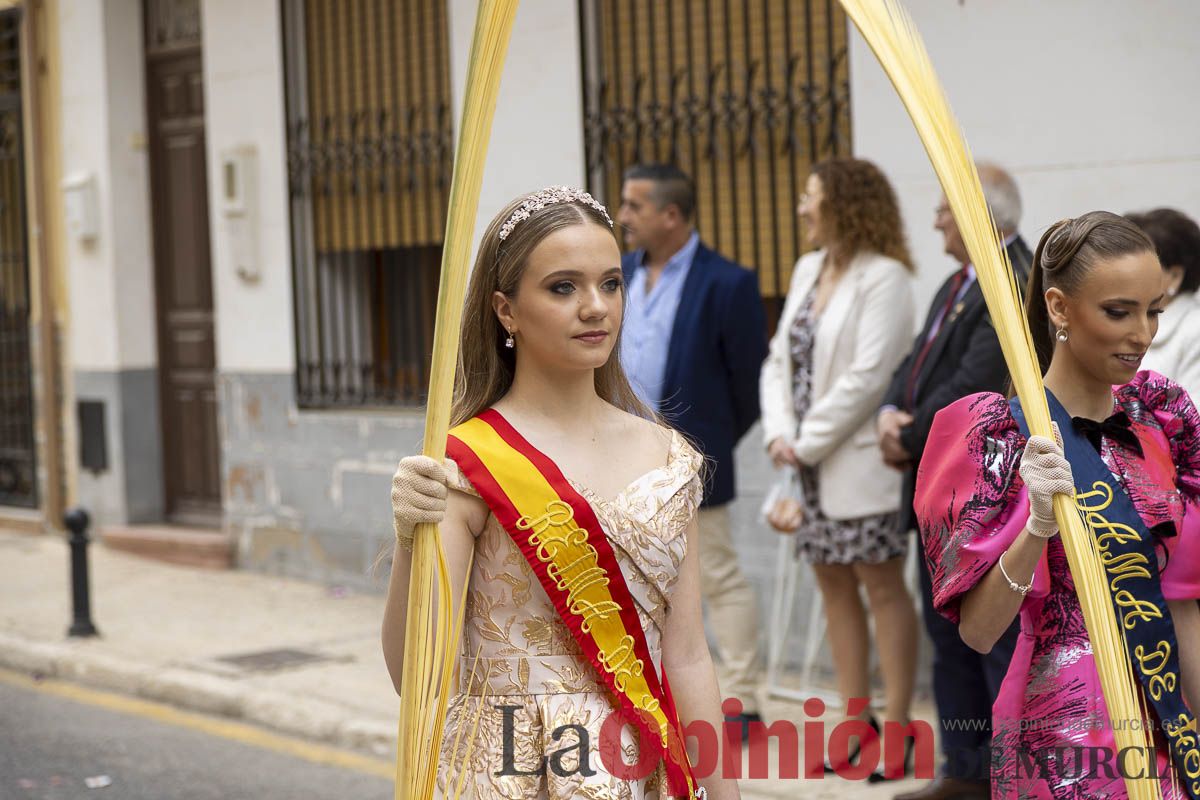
(1062,333)
(510,343)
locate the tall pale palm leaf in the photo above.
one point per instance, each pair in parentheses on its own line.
(888,29)
(434,622)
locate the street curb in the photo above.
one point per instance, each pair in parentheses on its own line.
(199,691)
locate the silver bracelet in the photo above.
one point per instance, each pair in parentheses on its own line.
(1016,587)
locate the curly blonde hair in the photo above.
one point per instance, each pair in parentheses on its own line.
(860,211)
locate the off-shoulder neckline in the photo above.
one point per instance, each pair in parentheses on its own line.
(672,453)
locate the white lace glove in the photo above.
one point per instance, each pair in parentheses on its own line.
(418,495)
(1046,473)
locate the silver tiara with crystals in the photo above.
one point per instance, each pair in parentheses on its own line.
(550,196)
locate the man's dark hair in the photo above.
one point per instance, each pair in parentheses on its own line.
(672,186)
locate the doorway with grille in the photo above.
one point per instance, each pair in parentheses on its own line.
(18,452)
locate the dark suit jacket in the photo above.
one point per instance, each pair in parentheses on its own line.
(718,343)
(964,358)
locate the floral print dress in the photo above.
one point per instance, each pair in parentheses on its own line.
(531,679)
(870,540)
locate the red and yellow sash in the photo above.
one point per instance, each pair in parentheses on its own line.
(561,539)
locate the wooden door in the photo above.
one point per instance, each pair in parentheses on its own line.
(183,272)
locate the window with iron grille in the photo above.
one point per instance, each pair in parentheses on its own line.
(745,97)
(369,160)
(18,451)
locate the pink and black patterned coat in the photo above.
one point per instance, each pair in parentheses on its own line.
(971,504)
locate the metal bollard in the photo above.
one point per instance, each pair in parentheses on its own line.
(77,521)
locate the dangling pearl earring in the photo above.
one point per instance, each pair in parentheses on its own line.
(1062,333)
(509,342)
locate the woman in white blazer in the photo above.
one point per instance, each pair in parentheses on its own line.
(845,327)
(1174,351)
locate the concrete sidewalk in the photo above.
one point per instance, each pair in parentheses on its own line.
(165,632)
(296,657)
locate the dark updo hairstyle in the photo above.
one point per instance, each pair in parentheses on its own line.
(1068,251)
(1176,238)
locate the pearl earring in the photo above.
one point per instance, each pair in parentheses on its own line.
(1062,333)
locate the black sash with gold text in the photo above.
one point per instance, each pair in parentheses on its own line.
(1130,560)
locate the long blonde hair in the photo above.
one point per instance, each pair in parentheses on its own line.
(485,365)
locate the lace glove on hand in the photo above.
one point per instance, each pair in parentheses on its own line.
(1046,473)
(418,495)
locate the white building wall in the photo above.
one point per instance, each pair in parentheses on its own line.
(1090,105)
(243,78)
(537,140)
(103,104)
(111,340)
(537,136)
(304,492)
(1063,93)
(84,146)
(130,245)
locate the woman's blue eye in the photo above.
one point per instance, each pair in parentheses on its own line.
(613,285)
(563,287)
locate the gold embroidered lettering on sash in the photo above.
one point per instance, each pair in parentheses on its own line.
(557,513)
(1183,730)
(577,575)
(1118,567)
(1162,652)
(1105,530)
(1161,683)
(582,580)
(621,663)
(1099,489)
(1191,755)
(1127,565)
(1183,724)
(1141,609)
(1137,566)
(555,532)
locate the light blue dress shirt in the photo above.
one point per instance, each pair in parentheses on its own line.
(649,318)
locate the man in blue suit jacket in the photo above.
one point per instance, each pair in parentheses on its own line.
(693,341)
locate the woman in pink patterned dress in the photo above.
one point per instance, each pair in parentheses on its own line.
(984,501)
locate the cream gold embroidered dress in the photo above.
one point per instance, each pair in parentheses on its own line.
(531,675)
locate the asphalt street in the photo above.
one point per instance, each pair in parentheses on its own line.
(55,739)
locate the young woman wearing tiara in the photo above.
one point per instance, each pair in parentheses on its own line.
(571,515)
(1130,454)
